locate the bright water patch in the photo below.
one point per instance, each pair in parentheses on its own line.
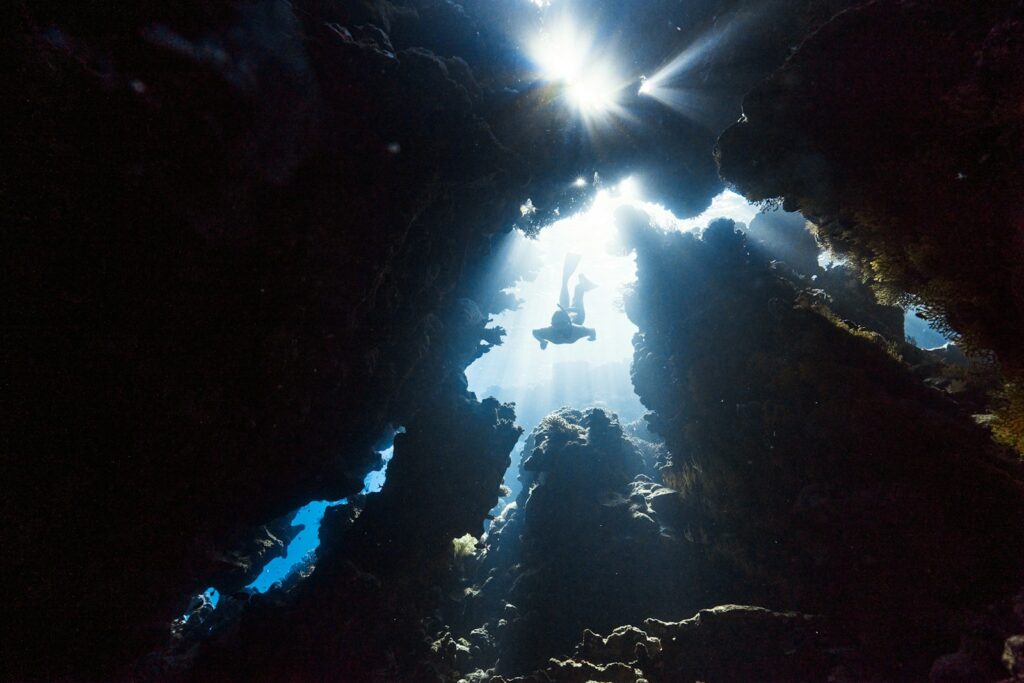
(920,332)
(302,550)
(208,599)
(587,373)
(726,204)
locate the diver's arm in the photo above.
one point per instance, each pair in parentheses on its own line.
(541,335)
(579,332)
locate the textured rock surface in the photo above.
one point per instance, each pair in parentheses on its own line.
(225,286)
(243,239)
(724,643)
(787,239)
(814,461)
(359,615)
(589,543)
(916,180)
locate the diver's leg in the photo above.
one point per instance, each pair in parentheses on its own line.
(583,285)
(579,314)
(568,268)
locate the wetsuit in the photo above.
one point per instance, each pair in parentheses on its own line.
(567,322)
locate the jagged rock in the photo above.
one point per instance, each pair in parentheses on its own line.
(725,643)
(735,643)
(401,543)
(1013,656)
(230,282)
(618,646)
(588,542)
(835,129)
(826,495)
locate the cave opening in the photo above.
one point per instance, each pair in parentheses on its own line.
(297,557)
(585,374)
(246,240)
(300,554)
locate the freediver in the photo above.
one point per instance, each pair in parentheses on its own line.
(567,322)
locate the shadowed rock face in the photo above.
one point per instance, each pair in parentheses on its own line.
(725,643)
(896,128)
(226,283)
(787,239)
(816,463)
(242,239)
(360,615)
(589,543)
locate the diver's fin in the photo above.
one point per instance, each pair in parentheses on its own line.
(585,283)
(571,262)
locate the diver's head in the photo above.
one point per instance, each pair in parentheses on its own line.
(561,320)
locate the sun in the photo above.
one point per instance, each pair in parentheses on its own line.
(565,55)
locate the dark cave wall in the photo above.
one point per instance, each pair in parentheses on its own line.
(897,129)
(589,543)
(360,615)
(815,463)
(593,542)
(787,240)
(724,643)
(224,287)
(240,238)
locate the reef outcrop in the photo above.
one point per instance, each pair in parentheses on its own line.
(814,462)
(235,259)
(724,643)
(588,543)
(914,180)
(382,570)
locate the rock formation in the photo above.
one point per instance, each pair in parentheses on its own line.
(244,240)
(589,543)
(813,461)
(914,179)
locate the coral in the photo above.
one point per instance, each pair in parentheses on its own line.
(913,180)
(811,460)
(724,643)
(592,542)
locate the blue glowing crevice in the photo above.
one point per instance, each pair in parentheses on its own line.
(202,605)
(302,550)
(920,332)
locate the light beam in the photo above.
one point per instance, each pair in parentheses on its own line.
(565,55)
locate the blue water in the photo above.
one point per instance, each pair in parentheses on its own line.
(211,595)
(302,549)
(920,332)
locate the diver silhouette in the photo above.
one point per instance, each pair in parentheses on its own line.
(567,322)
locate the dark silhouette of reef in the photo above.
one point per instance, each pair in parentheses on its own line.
(244,240)
(588,543)
(896,129)
(360,615)
(815,463)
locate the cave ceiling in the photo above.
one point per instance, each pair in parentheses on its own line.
(244,240)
